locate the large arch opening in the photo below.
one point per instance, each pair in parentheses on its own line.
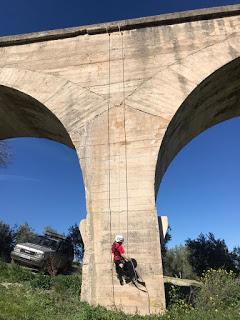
(24,116)
(214,101)
(41,183)
(200,189)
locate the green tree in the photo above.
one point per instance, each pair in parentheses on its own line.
(235,254)
(50,229)
(24,233)
(176,263)
(206,252)
(164,243)
(7,241)
(75,235)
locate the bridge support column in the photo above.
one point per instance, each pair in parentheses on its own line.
(118,152)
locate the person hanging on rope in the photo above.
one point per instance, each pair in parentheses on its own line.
(125,267)
(119,257)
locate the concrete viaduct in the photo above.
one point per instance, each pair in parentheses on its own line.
(127,96)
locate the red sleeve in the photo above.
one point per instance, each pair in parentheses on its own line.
(121,250)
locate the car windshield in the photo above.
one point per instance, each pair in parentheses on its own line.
(46,242)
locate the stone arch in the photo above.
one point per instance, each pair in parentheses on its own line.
(162,93)
(150,106)
(72,104)
(214,100)
(24,116)
(149,110)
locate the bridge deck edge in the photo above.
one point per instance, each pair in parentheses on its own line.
(115,26)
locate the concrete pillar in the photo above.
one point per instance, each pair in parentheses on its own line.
(118,159)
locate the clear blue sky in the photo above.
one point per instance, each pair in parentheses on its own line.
(28,15)
(200,190)
(43,183)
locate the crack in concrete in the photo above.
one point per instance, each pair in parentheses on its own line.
(177,62)
(148,113)
(114,106)
(55,76)
(56,92)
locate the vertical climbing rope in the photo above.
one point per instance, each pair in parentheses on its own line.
(109,159)
(125,143)
(109,151)
(124,128)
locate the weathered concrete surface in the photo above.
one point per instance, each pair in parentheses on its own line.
(119,93)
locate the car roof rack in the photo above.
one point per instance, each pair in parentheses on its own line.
(54,235)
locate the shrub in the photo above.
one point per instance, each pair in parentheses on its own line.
(174,294)
(7,241)
(220,290)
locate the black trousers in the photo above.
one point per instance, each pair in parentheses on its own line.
(127,269)
(119,269)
